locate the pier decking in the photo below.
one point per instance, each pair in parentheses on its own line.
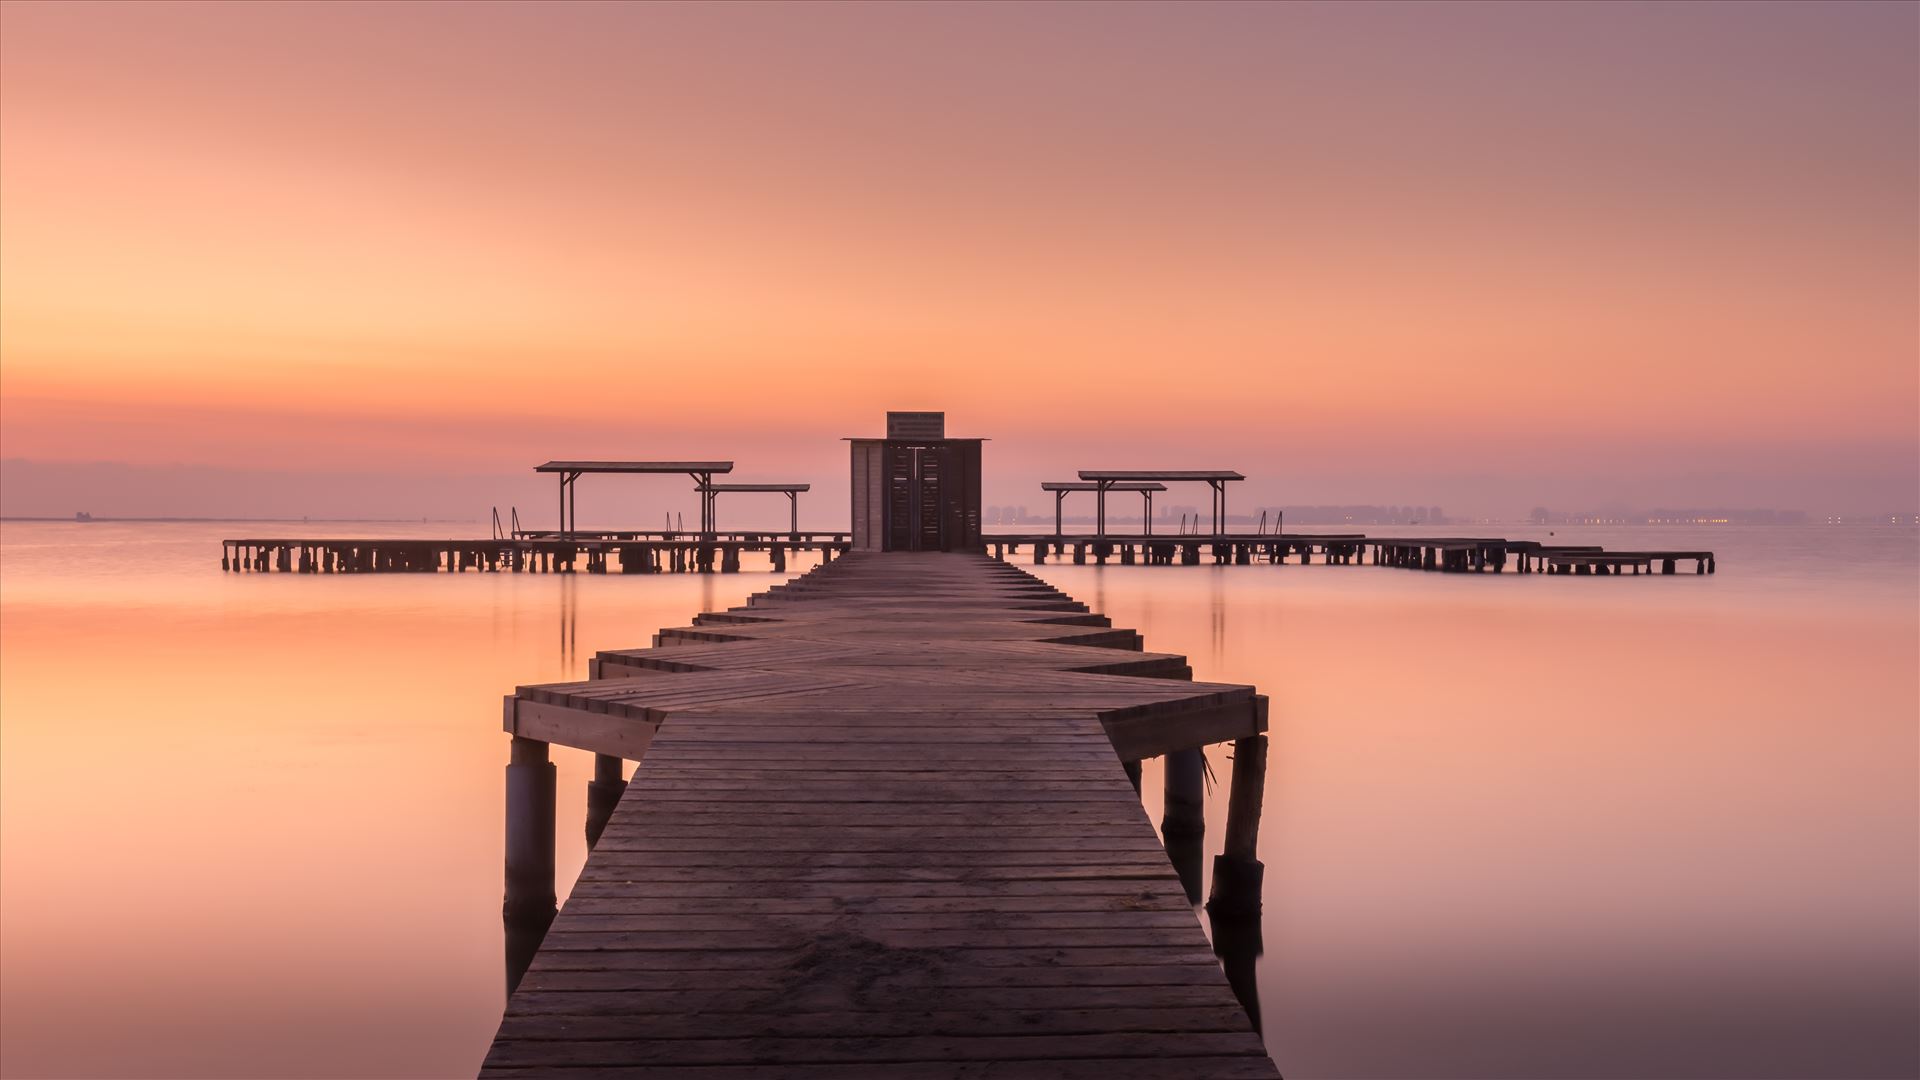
(631,552)
(1444,553)
(882,827)
(643,552)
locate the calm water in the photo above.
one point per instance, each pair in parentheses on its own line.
(1530,827)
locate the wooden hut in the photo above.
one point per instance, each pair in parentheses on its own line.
(916,489)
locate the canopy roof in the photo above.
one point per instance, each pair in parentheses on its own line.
(1070,485)
(635,467)
(755,487)
(1159,474)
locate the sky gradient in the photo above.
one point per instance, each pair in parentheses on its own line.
(355,259)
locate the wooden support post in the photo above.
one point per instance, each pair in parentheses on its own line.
(1237,872)
(1183,823)
(1186,791)
(530,814)
(529,906)
(603,793)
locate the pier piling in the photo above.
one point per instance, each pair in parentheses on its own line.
(603,794)
(529,905)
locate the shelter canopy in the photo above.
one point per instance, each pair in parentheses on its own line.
(1105,480)
(635,467)
(1072,485)
(1061,488)
(571,471)
(1111,475)
(711,492)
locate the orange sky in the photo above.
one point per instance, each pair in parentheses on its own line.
(1483,255)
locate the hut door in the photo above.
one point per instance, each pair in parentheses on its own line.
(916,517)
(929,513)
(901,501)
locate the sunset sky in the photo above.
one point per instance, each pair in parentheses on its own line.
(357,259)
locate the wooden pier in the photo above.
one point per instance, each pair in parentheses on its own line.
(635,552)
(882,826)
(641,552)
(917,490)
(1448,554)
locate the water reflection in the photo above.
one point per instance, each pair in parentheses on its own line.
(1183,823)
(523,938)
(1234,903)
(1238,944)
(1705,786)
(1217,612)
(569,621)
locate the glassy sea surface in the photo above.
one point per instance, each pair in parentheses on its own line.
(1515,826)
